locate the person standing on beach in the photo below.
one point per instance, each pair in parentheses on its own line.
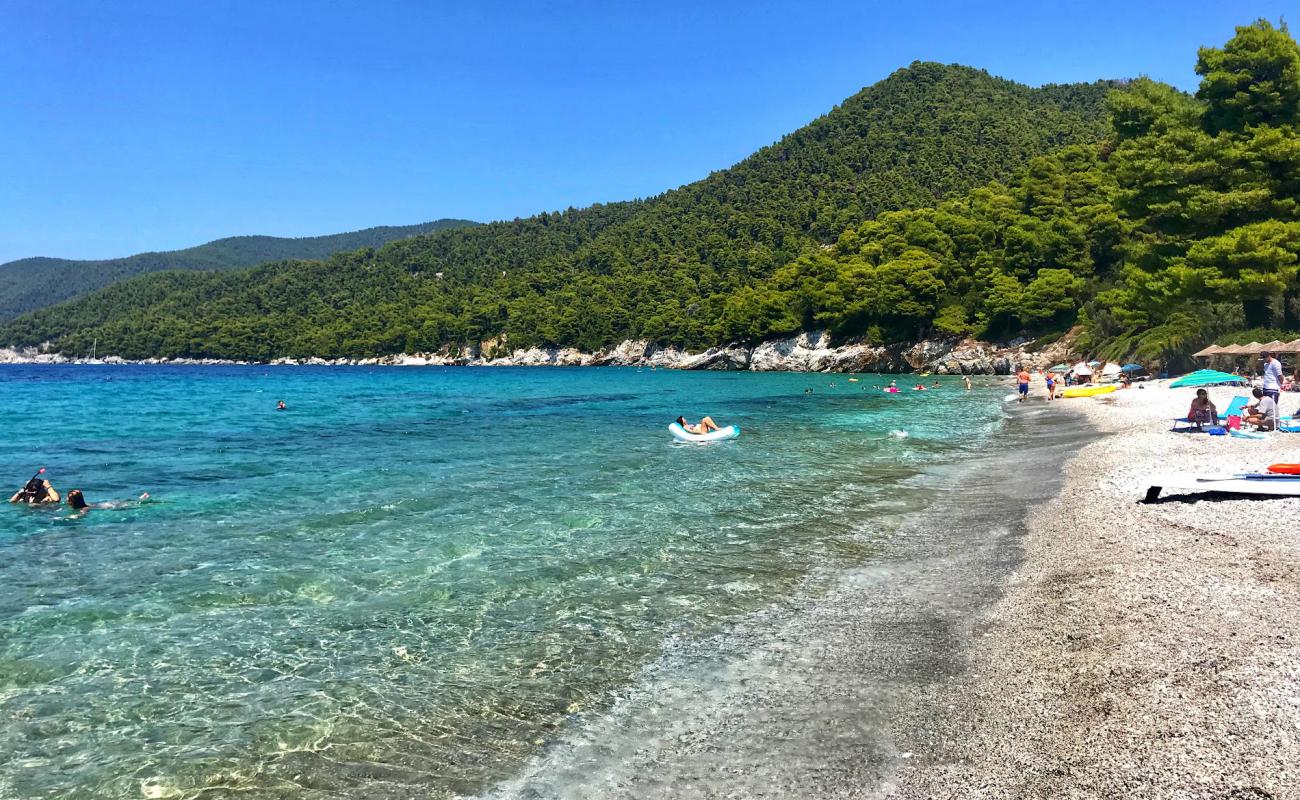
(1050,380)
(1272,377)
(1022,381)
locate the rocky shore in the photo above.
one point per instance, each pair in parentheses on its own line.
(807,352)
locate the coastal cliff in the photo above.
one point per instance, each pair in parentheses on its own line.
(806,352)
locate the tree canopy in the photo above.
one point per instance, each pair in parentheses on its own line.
(939,201)
(32,283)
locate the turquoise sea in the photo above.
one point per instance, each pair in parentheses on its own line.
(414,580)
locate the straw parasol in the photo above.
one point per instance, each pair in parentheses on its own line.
(1292,347)
(1252,349)
(1272,347)
(1212,350)
(1232,350)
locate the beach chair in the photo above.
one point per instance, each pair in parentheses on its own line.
(1237,405)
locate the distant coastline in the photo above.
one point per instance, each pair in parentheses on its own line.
(806,352)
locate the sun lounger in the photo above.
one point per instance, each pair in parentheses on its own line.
(1235,408)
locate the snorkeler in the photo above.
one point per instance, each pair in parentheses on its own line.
(36,492)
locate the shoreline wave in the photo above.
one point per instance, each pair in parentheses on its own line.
(811,697)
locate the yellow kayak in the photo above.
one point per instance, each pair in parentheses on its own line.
(1088,391)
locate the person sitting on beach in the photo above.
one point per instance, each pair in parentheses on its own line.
(707,424)
(37,492)
(1263,412)
(1202,411)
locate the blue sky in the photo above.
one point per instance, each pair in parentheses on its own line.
(129,126)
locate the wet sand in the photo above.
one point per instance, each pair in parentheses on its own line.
(1140,650)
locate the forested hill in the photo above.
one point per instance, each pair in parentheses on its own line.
(667,268)
(32,283)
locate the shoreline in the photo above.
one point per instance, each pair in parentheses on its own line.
(815,699)
(1138,650)
(806,352)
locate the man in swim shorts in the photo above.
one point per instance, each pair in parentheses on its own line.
(1022,378)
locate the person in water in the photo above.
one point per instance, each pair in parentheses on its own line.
(77,502)
(707,424)
(966,380)
(280,406)
(37,492)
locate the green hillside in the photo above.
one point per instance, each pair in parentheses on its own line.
(32,283)
(668,268)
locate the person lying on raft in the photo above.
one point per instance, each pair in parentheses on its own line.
(1202,411)
(37,492)
(707,424)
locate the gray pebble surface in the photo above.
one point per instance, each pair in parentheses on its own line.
(1140,650)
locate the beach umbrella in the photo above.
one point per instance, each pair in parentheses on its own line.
(1111,370)
(1094,363)
(1252,349)
(1066,368)
(1132,368)
(1212,350)
(1293,347)
(1205,377)
(1232,350)
(1272,347)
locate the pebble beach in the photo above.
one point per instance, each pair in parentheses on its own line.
(1140,650)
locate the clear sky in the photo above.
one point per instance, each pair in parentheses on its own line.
(129,126)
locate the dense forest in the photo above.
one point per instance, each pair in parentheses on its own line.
(662,268)
(940,200)
(32,283)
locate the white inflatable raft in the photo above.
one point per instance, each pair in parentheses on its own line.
(682,435)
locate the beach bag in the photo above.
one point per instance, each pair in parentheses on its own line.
(1234,422)
(1217,430)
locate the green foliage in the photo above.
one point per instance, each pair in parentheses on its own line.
(940,201)
(716,260)
(33,283)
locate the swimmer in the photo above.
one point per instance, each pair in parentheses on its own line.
(707,424)
(280,406)
(920,387)
(77,502)
(966,380)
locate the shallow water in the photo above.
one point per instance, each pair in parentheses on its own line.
(413,580)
